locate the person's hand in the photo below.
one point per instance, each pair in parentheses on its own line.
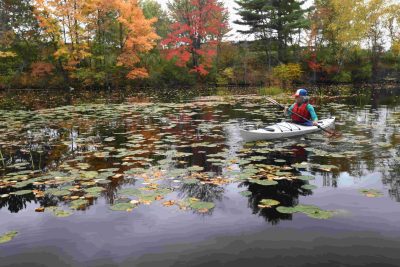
(285,110)
(315,123)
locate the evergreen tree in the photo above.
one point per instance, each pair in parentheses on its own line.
(274,22)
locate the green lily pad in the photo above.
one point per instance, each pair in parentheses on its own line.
(286,210)
(122,207)
(245,193)
(7,237)
(94,190)
(190,181)
(195,168)
(78,204)
(268,203)
(309,187)
(22,192)
(199,205)
(58,212)
(371,192)
(57,192)
(263,182)
(309,210)
(130,192)
(305,177)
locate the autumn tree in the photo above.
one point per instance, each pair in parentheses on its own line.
(93,34)
(195,33)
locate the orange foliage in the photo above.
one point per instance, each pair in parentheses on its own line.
(41,69)
(140,36)
(72,25)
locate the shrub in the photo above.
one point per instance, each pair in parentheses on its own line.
(287,73)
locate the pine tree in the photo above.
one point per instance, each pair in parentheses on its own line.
(274,22)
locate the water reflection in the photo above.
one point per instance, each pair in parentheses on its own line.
(286,192)
(179,136)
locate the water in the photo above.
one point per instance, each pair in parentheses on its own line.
(174,155)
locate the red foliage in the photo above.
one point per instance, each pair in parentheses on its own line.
(195,35)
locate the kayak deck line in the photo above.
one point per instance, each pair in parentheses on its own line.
(283,130)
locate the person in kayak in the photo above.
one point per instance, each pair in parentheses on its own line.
(303,108)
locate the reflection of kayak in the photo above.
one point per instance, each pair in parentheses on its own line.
(283,130)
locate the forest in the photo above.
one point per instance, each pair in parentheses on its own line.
(132,44)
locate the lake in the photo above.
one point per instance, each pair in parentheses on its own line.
(166,180)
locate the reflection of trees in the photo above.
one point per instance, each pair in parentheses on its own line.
(286,192)
(204,192)
(392,179)
(16,203)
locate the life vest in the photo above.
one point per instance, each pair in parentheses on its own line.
(301,110)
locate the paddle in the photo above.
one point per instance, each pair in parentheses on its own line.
(273,101)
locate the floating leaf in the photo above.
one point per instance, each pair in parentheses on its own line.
(22,192)
(371,192)
(267,203)
(309,210)
(199,205)
(7,237)
(245,193)
(286,210)
(263,182)
(190,181)
(122,206)
(78,204)
(57,192)
(309,187)
(305,177)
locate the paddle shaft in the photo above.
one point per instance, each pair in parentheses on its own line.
(278,104)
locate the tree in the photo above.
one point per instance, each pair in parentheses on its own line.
(96,35)
(152,9)
(195,33)
(275,22)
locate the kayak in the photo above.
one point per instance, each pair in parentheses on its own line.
(284,130)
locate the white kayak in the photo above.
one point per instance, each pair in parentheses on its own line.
(284,130)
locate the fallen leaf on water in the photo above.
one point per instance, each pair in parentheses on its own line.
(168,203)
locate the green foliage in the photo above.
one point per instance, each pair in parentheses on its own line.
(274,23)
(270,91)
(342,77)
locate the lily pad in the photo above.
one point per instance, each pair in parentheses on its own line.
(371,193)
(305,177)
(200,205)
(22,192)
(309,187)
(263,182)
(7,237)
(78,204)
(57,192)
(190,181)
(286,210)
(245,193)
(122,206)
(268,203)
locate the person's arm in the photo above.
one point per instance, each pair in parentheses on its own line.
(314,116)
(288,111)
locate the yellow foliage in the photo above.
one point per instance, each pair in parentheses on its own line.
(7,54)
(287,73)
(396,47)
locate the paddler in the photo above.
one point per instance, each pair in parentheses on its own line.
(303,108)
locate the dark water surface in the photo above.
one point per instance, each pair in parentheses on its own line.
(145,182)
